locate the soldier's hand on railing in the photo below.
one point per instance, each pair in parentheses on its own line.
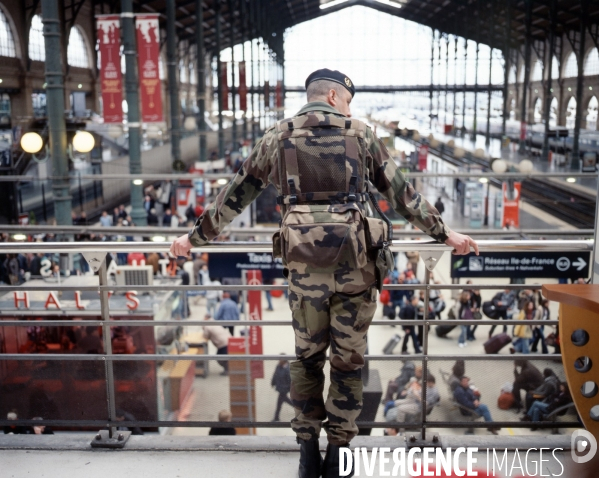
(181,246)
(461,243)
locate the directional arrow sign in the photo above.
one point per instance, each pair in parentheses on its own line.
(579,264)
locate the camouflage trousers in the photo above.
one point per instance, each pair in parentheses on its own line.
(333,309)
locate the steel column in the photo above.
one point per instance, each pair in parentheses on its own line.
(549,68)
(575,163)
(506,71)
(430,94)
(527,46)
(234,146)
(201,86)
(56,106)
(446,79)
(455,82)
(138,213)
(221,138)
(244,26)
(464,93)
(475,109)
(173,86)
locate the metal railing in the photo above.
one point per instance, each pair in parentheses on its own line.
(95,253)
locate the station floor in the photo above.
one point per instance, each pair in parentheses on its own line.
(211,394)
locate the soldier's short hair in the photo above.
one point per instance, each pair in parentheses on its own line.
(321,88)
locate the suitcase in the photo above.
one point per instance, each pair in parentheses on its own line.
(443,330)
(388,349)
(496,343)
(389,312)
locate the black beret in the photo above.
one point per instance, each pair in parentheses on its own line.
(332,75)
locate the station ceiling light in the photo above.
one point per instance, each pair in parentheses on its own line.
(32,142)
(158,239)
(19,237)
(483,180)
(138,182)
(571,180)
(222,181)
(83,141)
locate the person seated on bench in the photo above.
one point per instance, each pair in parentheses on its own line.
(544,392)
(402,393)
(412,405)
(465,396)
(457,372)
(541,409)
(395,386)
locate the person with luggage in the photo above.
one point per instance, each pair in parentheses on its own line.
(475,307)
(400,296)
(465,313)
(466,397)
(503,302)
(527,378)
(523,333)
(409,312)
(538,331)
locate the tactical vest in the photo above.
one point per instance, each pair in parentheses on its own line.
(322,174)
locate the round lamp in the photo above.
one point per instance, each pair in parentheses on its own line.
(83,141)
(404,132)
(451,143)
(479,153)
(115,131)
(190,123)
(459,152)
(499,166)
(525,166)
(416,135)
(32,143)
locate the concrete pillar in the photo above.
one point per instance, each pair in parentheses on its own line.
(173,84)
(527,47)
(575,162)
(201,80)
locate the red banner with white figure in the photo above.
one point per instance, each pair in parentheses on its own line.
(224,81)
(148,54)
(109,38)
(243,89)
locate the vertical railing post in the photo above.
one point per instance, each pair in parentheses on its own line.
(105,311)
(427,278)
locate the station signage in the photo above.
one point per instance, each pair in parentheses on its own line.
(548,265)
(22,301)
(233,265)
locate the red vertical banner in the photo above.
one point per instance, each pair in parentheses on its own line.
(109,38)
(511,205)
(224,80)
(422,157)
(279,94)
(148,53)
(243,89)
(266,94)
(254,277)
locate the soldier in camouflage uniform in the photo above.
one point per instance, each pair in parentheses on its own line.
(334,305)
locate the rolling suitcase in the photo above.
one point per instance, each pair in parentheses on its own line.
(443,330)
(496,343)
(388,349)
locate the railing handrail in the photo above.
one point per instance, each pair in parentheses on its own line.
(249,246)
(191,176)
(167,231)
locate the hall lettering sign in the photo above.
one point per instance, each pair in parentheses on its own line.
(556,265)
(22,301)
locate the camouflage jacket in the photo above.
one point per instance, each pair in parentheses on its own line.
(261,168)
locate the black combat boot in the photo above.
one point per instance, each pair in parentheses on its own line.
(310,458)
(330,467)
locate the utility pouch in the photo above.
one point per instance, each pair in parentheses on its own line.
(276,245)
